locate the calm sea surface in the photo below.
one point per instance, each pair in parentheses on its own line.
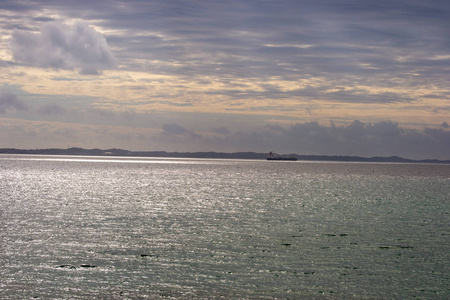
(136,228)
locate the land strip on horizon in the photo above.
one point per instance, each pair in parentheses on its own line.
(222,155)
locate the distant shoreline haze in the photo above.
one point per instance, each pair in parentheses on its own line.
(222,155)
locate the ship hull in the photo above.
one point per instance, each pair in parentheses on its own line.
(282,158)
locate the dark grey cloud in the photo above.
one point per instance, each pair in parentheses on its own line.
(174,134)
(10,102)
(221,130)
(174,129)
(370,139)
(61,46)
(358,138)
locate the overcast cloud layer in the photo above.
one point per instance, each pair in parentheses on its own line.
(312,77)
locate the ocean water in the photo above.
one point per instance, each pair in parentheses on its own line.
(144,228)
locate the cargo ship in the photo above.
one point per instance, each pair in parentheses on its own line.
(274,156)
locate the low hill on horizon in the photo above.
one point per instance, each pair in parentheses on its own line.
(210,154)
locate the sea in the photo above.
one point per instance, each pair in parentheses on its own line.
(79,227)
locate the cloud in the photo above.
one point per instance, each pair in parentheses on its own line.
(356,139)
(10,102)
(365,139)
(174,134)
(221,130)
(60,46)
(174,129)
(52,110)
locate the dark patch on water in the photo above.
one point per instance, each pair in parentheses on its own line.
(147,255)
(333,234)
(67,266)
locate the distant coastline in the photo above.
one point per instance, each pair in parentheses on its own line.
(222,155)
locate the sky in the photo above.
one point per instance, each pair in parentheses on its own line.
(322,77)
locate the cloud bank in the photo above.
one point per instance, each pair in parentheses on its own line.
(60,46)
(358,138)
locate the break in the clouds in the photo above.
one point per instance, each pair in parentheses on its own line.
(62,46)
